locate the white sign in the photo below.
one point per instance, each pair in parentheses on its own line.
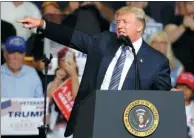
(51,47)
(150,29)
(22,116)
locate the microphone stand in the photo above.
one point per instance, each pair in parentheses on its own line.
(44,128)
(137,76)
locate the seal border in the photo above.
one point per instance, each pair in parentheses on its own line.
(128,125)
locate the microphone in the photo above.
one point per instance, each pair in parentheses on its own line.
(125,40)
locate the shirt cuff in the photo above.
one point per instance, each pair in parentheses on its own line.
(39,30)
(44,26)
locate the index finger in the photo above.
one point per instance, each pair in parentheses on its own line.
(22,20)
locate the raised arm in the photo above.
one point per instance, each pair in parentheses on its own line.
(174,32)
(60,33)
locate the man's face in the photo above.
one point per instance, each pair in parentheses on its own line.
(187,91)
(127,25)
(14,60)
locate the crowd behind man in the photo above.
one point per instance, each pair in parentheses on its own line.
(175,41)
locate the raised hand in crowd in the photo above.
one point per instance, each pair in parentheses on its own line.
(188,22)
(71,68)
(67,70)
(180,23)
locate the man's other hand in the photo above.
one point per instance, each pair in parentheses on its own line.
(30,22)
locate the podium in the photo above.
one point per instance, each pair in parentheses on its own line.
(131,114)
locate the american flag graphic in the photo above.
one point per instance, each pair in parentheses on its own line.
(9,105)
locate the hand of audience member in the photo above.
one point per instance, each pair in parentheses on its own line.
(71,68)
(60,74)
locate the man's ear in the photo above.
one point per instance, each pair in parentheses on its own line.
(139,26)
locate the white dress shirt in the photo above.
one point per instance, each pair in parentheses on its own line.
(129,60)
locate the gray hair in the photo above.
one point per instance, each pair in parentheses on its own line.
(139,13)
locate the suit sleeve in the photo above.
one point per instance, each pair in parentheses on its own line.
(68,36)
(162,80)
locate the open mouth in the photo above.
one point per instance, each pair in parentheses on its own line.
(121,33)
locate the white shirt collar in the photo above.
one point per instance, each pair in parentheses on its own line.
(137,44)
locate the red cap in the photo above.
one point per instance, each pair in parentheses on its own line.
(186,78)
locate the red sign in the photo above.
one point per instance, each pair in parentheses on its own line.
(64,99)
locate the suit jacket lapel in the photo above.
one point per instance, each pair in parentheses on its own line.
(108,55)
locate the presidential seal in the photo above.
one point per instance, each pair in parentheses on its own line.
(141,118)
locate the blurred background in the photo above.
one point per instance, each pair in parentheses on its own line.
(169,29)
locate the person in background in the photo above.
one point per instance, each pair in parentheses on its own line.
(66,69)
(101,13)
(51,12)
(185,83)
(12,10)
(35,44)
(160,42)
(17,79)
(7,30)
(105,11)
(181,33)
(50,7)
(40,66)
(68,7)
(161,11)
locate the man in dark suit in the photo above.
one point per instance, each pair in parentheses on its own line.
(109,64)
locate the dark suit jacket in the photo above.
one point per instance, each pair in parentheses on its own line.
(100,50)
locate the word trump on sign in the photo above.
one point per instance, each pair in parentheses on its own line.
(22,116)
